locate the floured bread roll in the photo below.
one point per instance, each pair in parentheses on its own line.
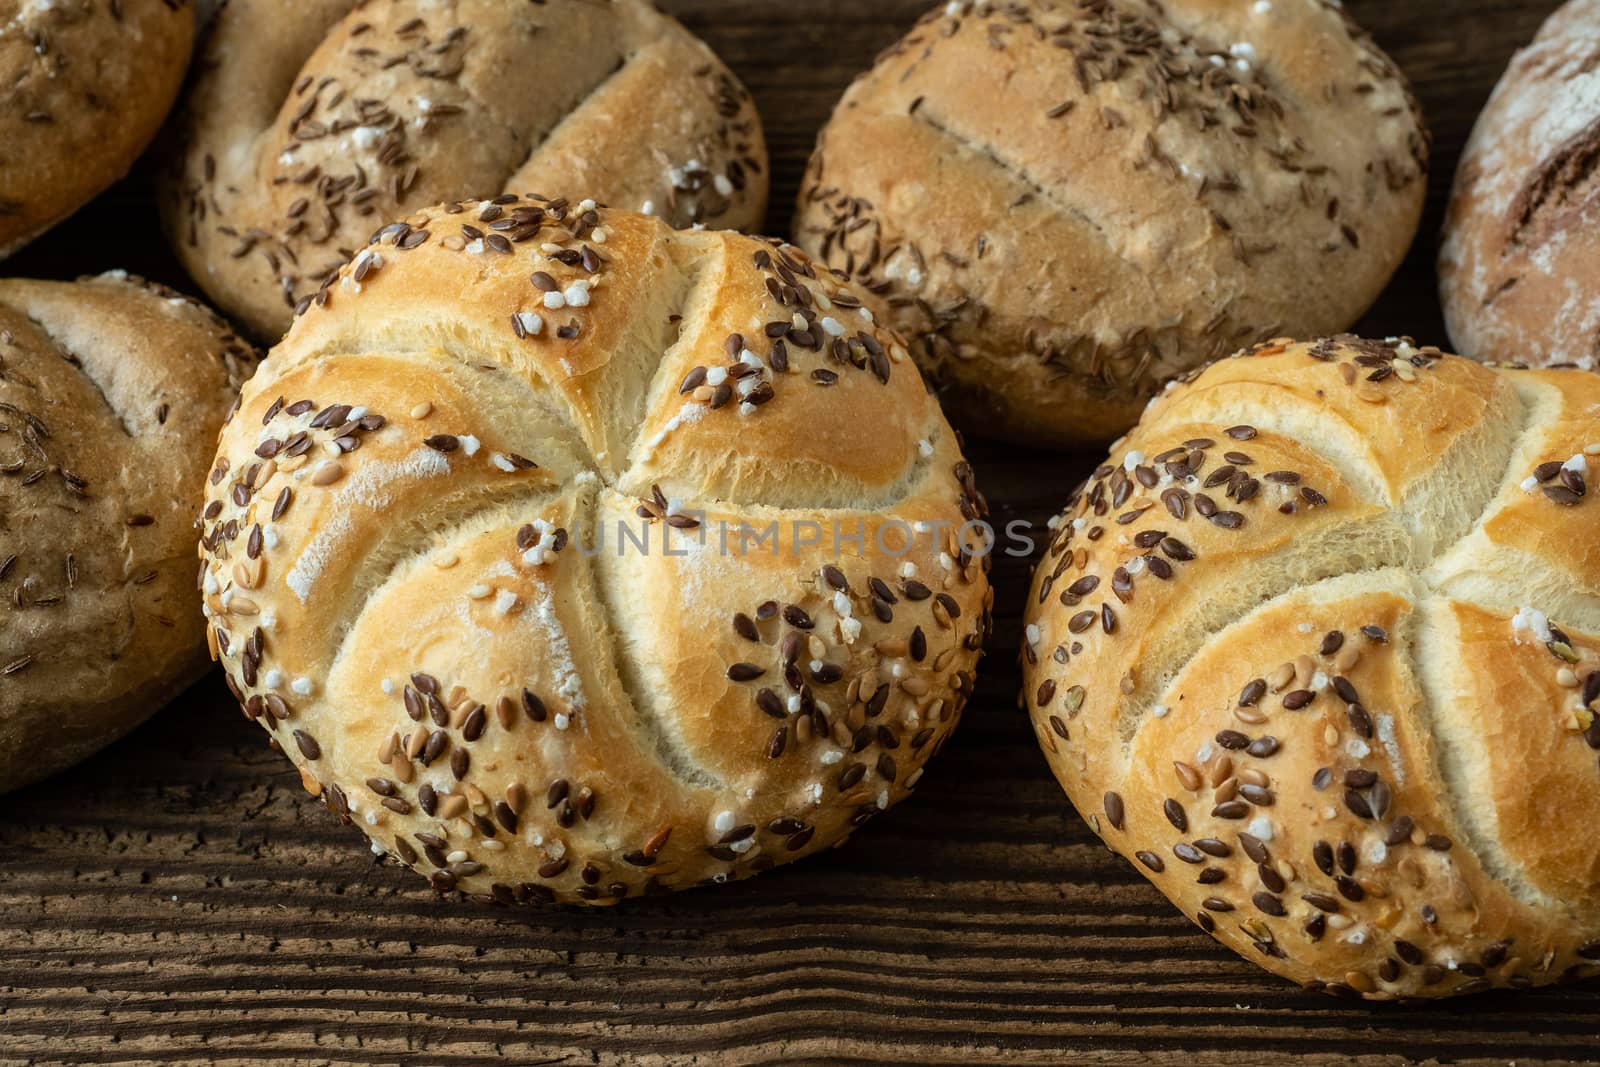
(1519,269)
(617,559)
(1318,650)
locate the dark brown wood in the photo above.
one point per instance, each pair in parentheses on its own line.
(178,899)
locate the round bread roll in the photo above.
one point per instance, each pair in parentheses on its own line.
(1318,650)
(303,135)
(111,392)
(1519,270)
(622,559)
(1067,204)
(84,85)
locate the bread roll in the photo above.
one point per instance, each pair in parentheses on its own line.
(1318,650)
(84,85)
(303,135)
(1067,204)
(112,391)
(436,597)
(1519,269)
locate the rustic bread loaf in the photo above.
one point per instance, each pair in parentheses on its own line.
(1066,204)
(84,85)
(1519,269)
(425,576)
(112,391)
(302,135)
(1318,650)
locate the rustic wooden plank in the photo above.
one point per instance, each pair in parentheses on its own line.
(178,900)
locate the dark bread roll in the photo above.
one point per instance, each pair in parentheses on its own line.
(1519,270)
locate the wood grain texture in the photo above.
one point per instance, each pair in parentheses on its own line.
(179,900)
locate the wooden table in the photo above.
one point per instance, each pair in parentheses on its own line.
(178,899)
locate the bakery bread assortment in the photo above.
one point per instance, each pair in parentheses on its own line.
(1067,203)
(1519,269)
(575,548)
(302,136)
(1318,650)
(111,393)
(616,560)
(84,85)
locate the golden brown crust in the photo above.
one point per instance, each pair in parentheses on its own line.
(1066,205)
(1319,651)
(433,591)
(112,391)
(84,85)
(303,135)
(1519,258)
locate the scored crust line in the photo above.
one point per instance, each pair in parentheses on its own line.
(542,138)
(1447,763)
(288,92)
(1532,410)
(646,723)
(78,364)
(460,509)
(1022,177)
(671,339)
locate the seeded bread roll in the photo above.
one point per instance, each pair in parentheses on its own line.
(112,391)
(1520,266)
(84,85)
(1066,204)
(303,135)
(427,576)
(1318,649)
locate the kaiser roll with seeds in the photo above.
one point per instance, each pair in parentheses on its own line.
(84,85)
(1067,203)
(1318,650)
(624,560)
(112,391)
(302,135)
(1520,266)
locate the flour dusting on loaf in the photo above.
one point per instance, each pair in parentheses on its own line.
(1520,254)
